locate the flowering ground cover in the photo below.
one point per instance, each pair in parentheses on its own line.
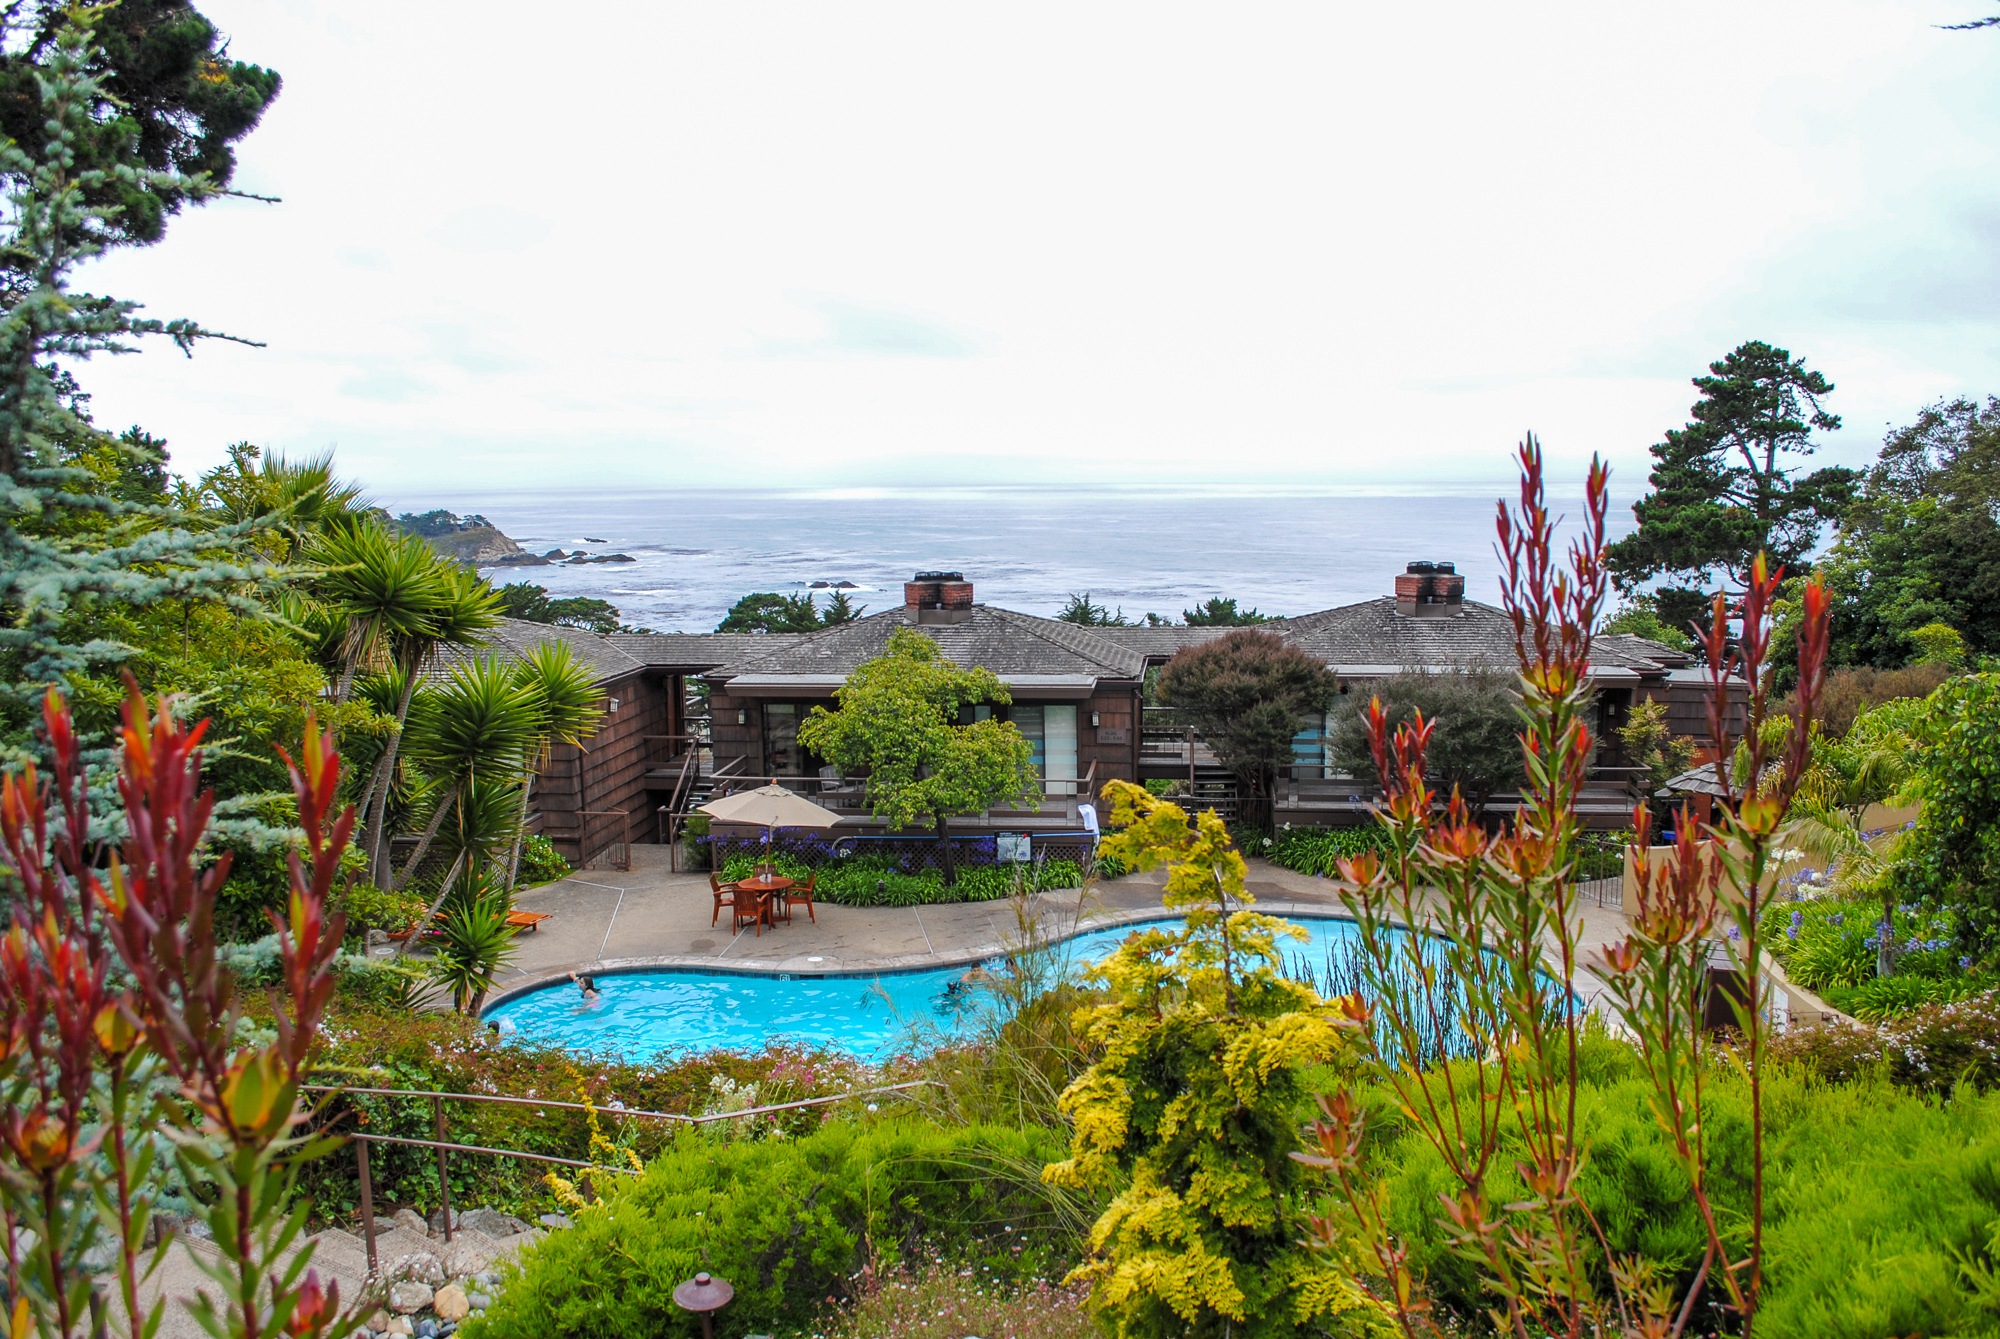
(944,1303)
(1830,945)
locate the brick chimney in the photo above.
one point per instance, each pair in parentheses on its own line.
(1430,590)
(938,597)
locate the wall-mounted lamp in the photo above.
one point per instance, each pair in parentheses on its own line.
(614,704)
(742,716)
(1093,720)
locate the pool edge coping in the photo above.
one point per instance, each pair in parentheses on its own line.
(899,965)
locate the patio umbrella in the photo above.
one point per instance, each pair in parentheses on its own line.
(770,807)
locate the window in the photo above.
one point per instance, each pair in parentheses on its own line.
(1051,734)
(781,740)
(1309,751)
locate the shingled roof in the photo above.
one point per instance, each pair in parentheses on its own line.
(1372,637)
(514,638)
(694,652)
(1001,640)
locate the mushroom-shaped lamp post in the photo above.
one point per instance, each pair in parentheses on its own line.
(701,1295)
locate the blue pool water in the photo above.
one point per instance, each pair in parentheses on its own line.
(647,1015)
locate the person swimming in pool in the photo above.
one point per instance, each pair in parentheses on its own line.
(588,985)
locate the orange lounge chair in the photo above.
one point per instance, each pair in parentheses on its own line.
(527,920)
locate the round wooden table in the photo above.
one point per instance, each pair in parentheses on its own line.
(763,887)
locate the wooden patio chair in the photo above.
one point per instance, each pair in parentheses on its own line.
(725,896)
(800,892)
(747,904)
(527,920)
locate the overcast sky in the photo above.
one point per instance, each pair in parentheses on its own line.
(649,244)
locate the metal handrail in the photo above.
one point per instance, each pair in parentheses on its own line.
(443,1146)
(498,1098)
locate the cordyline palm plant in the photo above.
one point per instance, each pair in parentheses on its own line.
(120,1020)
(476,944)
(568,705)
(479,727)
(379,586)
(466,607)
(1502,916)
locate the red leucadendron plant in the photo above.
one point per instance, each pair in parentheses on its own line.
(122,1039)
(1492,975)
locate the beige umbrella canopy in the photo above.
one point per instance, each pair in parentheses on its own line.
(770,807)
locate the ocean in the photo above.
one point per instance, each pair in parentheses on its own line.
(1138,550)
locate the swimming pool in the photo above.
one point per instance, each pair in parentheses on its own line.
(654,1014)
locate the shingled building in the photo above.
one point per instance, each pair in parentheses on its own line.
(691,713)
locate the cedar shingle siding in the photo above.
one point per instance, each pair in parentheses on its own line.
(1099,671)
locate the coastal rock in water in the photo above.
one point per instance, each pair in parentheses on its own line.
(602,558)
(472,540)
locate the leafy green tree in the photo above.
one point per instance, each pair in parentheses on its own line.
(1724,488)
(66,540)
(1639,616)
(766,611)
(1221,612)
(1248,694)
(1650,744)
(898,721)
(1082,612)
(1189,1121)
(531,603)
(1921,542)
(1951,859)
(1476,746)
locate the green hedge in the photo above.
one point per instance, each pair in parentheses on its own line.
(872,881)
(1317,850)
(791,1225)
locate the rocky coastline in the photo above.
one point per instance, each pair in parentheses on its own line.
(477,542)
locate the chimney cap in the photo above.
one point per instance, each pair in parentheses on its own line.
(1421,567)
(1444,569)
(939,576)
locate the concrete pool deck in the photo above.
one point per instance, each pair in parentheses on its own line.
(650,917)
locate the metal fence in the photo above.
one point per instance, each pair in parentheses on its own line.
(605,836)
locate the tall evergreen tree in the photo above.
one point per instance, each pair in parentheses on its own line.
(66,186)
(1725,488)
(165,99)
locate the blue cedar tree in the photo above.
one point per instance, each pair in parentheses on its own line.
(65,539)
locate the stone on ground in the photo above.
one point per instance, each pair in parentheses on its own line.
(451,1303)
(408,1296)
(492,1222)
(411,1219)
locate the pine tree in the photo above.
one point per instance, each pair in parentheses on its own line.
(1723,490)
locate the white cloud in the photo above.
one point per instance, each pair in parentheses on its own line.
(679,242)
